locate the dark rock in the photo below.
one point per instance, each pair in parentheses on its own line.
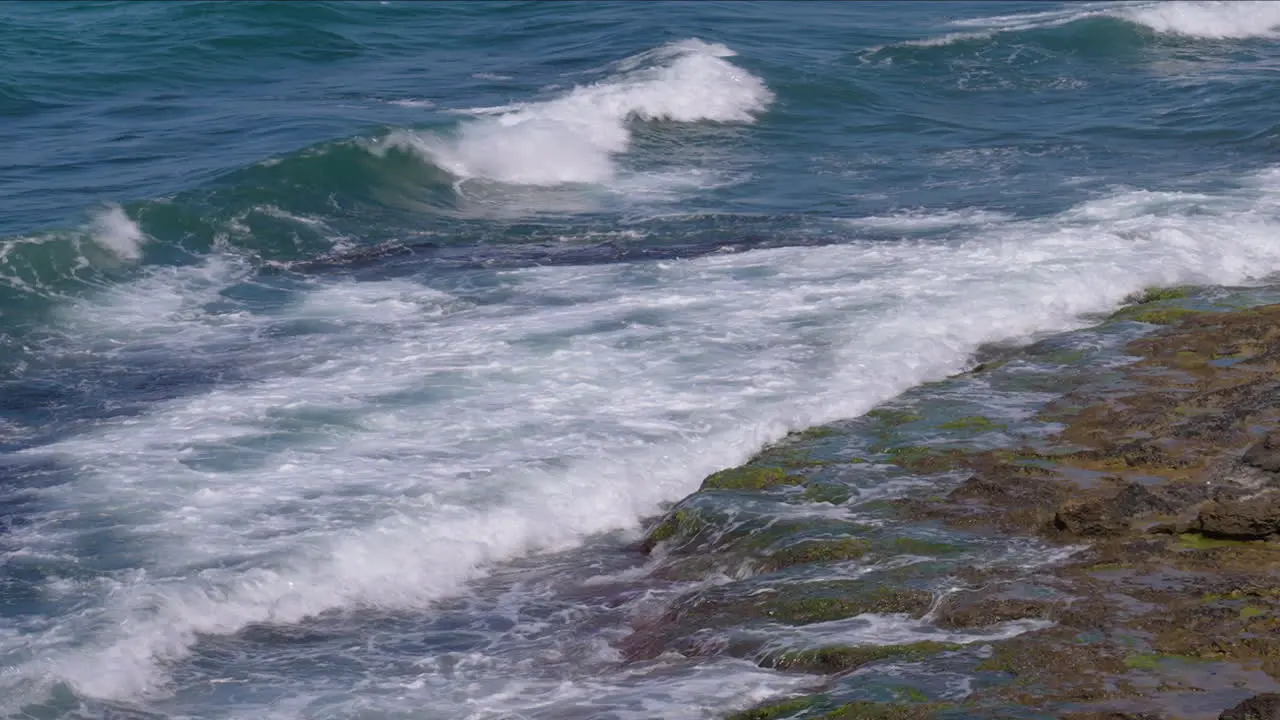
(970,609)
(1255,518)
(1264,454)
(1090,517)
(1259,707)
(1111,515)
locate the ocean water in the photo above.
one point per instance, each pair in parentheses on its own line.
(346,347)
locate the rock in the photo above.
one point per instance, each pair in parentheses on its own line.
(1095,516)
(972,609)
(1254,518)
(839,659)
(1264,454)
(1087,518)
(749,478)
(1259,707)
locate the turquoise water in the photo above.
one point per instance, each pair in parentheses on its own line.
(347,346)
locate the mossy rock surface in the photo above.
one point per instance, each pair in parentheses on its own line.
(977,423)
(817,550)
(926,548)
(890,417)
(1157,294)
(776,710)
(682,523)
(858,710)
(795,603)
(827,493)
(926,459)
(817,608)
(863,710)
(750,478)
(839,659)
(1156,315)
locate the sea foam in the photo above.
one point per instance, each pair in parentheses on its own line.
(114,230)
(576,137)
(1205,19)
(1211,20)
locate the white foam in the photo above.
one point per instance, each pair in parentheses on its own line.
(420,437)
(576,137)
(922,220)
(893,629)
(114,230)
(1205,19)
(413,103)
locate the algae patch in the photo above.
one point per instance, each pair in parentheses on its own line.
(750,478)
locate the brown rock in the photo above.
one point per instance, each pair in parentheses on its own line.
(1250,519)
(1259,707)
(1111,515)
(1264,454)
(1088,518)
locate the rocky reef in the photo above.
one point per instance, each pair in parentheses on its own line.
(1102,541)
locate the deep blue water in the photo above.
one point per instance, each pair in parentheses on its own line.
(344,347)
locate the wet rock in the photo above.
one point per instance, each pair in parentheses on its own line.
(1044,668)
(1255,518)
(839,659)
(983,608)
(1156,315)
(775,710)
(684,524)
(863,710)
(693,618)
(1104,515)
(817,550)
(1264,454)
(749,478)
(858,710)
(1258,707)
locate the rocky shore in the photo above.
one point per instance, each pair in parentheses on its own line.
(1147,491)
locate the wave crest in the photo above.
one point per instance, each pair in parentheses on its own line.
(575,138)
(1211,20)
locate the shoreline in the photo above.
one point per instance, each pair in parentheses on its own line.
(1152,492)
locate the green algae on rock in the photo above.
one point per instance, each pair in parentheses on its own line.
(839,659)
(818,608)
(776,710)
(865,710)
(817,550)
(1156,294)
(857,710)
(1156,315)
(973,422)
(747,477)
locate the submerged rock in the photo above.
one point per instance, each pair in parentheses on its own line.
(839,659)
